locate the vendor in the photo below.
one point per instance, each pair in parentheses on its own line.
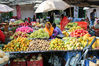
(57,28)
(48,28)
(2,36)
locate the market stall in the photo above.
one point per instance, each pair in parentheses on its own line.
(31,44)
(26,41)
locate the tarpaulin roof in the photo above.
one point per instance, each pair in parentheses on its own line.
(83,3)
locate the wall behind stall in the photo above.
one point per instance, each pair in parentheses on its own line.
(14,12)
(26,11)
(90,10)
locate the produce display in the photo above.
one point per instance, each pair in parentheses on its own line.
(69,25)
(34,24)
(18,22)
(80,43)
(66,34)
(74,28)
(19,34)
(19,44)
(72,43)
(39,34)
(4,57)
(25,29)
(57,44)
(8,34)
(89,38)
(28,39)
(78,33)
(38,44)
(25,24)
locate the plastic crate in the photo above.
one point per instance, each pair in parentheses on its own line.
(35,63)
(69,54)
(82,25)
(87,62)
(18,63)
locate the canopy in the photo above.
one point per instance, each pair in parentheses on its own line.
(50,5)
(5,8)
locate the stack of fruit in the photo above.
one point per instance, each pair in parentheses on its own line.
(39,34)
(74,28)
(37,45)
(80,43)
(19,44)
(34,24)
(78,33)
(72,43)
(25,24)
(4,57)
(69,25)
(57,44)
(87,37)
(24,29)
(18,22)
(66,34)
(19,34)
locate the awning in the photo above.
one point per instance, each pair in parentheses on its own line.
(83,3)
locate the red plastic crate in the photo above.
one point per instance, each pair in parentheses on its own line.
(82,25)
(18,64)
(6,65)
(35,63)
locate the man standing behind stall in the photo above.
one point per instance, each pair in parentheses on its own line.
(92,16)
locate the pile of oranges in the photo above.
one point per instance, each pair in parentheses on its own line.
(19,44)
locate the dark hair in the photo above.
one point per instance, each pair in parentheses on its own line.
(62,15)
(94,10)
(54,25)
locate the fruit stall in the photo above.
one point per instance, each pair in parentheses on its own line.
(29,45)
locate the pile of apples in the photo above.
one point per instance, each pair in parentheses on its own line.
(19,34)
(25,24)
(25,29)
(78,33)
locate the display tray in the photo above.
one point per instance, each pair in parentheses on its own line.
(39,38)
(51,51)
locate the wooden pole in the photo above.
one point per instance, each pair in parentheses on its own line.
(70,12)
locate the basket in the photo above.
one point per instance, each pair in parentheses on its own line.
(82,25)
(35,63)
